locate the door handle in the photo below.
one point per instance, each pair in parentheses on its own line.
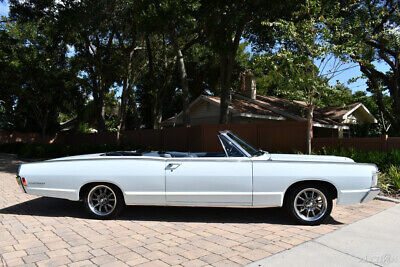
(172,166)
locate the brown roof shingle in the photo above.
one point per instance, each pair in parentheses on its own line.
(270,105)
(279,107)
(246,106)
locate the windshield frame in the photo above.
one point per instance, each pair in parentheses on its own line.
(223,138)
(243,146)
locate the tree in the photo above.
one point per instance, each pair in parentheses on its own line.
(8,77)
(301,44)
(368,32)
(131,65)
(88,28)
(93,36)
(44,82)
(224,23)
(183,33)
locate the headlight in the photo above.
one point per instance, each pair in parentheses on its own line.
(374,179)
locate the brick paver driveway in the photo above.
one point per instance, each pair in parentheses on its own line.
(45,231)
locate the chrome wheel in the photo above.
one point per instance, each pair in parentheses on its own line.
(310,204)
(102,200)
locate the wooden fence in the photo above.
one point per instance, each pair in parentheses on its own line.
(272,136)
(383,144)
(285,137)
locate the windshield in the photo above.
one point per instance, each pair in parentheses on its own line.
(249,149)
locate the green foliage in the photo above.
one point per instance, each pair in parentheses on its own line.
(382,159)
(65,59)
(38,80)
(366,130)
(42,151)
(368,32)
(388,164)
(389,181)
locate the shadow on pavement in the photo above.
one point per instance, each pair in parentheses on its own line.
(9,163)
(53,207)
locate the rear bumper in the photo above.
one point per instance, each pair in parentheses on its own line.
(348,197)
(371,194)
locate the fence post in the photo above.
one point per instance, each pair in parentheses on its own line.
(162,134)
(202,129)
(384,143)
(187,134)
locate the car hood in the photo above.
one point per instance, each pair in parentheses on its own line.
(296,157)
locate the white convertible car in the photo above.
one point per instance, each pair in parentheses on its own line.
(242,176)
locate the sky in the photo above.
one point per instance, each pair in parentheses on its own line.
(4,8)
(352,70)
(359,85)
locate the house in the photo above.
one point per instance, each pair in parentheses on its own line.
(248,107)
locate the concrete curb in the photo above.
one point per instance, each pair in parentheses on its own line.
(388,199)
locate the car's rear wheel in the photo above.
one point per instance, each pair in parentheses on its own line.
(103,201)
(308,204)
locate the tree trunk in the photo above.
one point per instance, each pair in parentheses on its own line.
(158,117)
(132,106)
(377,79)
(122,110)
(310,116)
(226,66)
(227,58)
(185,90)
(184,80)
(44,125)
(99,108)
(100,114)
(154,85)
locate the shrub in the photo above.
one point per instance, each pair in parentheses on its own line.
(388,164)
(382,159)
(389,182)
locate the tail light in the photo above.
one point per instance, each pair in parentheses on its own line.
(374,182)
(24,182)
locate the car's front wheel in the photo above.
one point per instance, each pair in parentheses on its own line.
(308,204)
(103,201)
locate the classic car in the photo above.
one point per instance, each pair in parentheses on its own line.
(241,176)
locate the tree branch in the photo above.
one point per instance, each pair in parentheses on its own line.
(387,60)
(380,46)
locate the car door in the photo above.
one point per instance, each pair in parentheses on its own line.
(209,181)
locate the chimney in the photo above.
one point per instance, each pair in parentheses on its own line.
(248,84)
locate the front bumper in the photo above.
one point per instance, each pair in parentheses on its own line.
(371,194)
(19,182)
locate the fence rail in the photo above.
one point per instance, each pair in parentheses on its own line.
(285,137)
(272,136)
(383,144)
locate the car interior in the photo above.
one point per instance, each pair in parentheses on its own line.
(166,154)
(230,150)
